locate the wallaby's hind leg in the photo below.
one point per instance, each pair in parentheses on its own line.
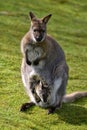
(25,106)
(52,109)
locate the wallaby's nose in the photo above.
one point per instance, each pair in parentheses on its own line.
(38,39)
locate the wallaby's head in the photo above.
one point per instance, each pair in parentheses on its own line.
(38,27)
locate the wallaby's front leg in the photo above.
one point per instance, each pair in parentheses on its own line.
(25,106)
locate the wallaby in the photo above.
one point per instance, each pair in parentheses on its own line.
(44,64)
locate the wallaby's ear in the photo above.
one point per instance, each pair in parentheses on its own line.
(32,16)
(46,19)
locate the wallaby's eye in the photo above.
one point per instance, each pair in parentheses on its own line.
(43,31)
(35,30)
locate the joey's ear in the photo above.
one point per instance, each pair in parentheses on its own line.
(32,16)
(46,19)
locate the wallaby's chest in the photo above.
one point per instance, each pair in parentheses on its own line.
(34,52)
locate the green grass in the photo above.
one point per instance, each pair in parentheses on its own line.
(68,26)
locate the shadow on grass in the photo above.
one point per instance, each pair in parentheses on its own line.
(72,114)
(69,113)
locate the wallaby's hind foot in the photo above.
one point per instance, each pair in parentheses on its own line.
(25,106)
(51,110)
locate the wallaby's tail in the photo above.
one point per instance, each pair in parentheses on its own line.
(73,96)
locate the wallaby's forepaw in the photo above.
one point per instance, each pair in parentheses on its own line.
(25,106)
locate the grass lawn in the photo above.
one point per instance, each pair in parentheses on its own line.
(68,26)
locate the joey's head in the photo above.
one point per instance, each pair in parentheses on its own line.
(43,91)
(38,27)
